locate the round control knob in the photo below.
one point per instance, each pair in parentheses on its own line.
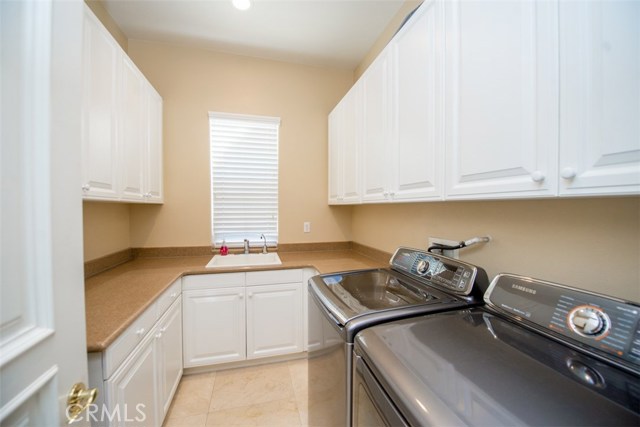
(589,321)
(568,173)
(422,267)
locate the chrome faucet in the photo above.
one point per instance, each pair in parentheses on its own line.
(264,244)
(246,246)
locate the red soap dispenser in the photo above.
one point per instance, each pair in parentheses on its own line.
(224,250)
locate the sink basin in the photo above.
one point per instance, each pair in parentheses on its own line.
(244,260)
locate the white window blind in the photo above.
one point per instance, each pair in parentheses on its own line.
(244,178)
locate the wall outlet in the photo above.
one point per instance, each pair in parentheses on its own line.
(450,253)
(306,226)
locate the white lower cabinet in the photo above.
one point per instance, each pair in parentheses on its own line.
(132,392)
(138,374)
(168,343)
(214,326)
(225,322)
(274,320)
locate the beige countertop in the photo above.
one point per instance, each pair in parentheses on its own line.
(115,298)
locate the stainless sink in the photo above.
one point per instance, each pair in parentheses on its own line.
(244,260)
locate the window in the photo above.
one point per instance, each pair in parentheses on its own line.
(244,178)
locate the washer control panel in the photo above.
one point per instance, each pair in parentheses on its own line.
(589,321)
(606,324)
(450,274)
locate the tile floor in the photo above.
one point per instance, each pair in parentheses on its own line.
(268,395)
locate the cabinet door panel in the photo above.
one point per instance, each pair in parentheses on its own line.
(335,156)
(417,78)
(214,326)
(133,115)
(376,141)
(600,103)
(153,154)
(100,79)
(351,133)
(501,99)
(274,320)
(170,351)
(132,389)
(344,178)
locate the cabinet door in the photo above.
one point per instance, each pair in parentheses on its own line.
(600,102)
(214,326)
(335,155)
(274,320)
(101,59)
(153,154)
(351,145)
(344,178)
(377,152)
(132,390)
(501,99)
(417,73)
(133,115)
(169,350)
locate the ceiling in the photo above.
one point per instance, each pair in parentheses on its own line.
(334,33)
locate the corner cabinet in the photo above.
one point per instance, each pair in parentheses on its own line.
(344,149)
(231,317)
(122,123)
(138,374)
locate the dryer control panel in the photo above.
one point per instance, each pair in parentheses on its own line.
(606,324)
(450,274)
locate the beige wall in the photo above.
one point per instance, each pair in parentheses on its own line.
(193,82)
(589,243)
(106,228)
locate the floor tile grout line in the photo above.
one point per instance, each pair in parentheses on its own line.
(293,389)
(213,376)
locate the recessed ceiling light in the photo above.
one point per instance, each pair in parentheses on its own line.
(241,4)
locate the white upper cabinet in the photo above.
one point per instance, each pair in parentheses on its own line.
(403,113)
(122,123)
(483,99)
(417,121)
(600,97)
(101,66)
(344,134)
(501,99)
(132,134)
(376,149)
(153,171)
